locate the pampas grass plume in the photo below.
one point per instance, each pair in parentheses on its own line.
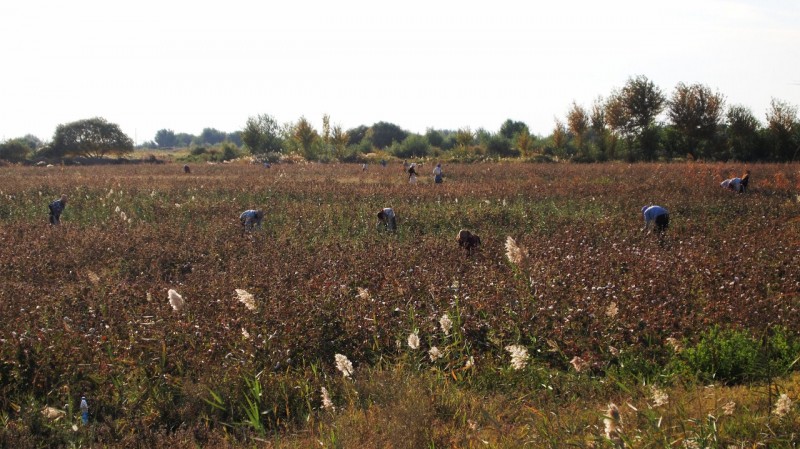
(175,300)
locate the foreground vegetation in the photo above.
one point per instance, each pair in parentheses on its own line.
(672,334)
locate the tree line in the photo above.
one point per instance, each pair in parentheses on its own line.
(636,122)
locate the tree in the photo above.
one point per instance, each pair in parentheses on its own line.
(559,135)
(412,146)
(234,138)
(339,139)
(742,134)
(165,138)
(464,137)
(304,135)
(599,133)
(578,123)
(696,112)
(94,137)
(631,111)
(356,135)
(435,138)
(14,150)
(183,139)
(781,123)
(262,134)
(511,128)
(31,141)
(383,134)
(524,142)
(499,145)
(212,136)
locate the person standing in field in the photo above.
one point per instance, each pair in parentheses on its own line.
(56,208)
(412,174)
(437,174)
(250,219)
(387,219)
(186,169)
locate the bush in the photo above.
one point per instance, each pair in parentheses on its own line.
(14,150)
(734,356)
(413,146)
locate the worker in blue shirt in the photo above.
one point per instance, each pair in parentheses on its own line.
(387,219)
(657,216)
(250,219)
(56,208)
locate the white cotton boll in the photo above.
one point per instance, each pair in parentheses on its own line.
(175,300)
(117,210)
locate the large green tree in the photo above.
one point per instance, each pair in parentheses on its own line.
(742,134)
(213,136)
(262,134)
(383,134)
(15,150)
(94,137)
(696,112)
(782,130)
(304,136)
(511,128)
(165,138)
(578,123)
(631,112)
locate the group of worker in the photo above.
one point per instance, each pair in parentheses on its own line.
(655,217)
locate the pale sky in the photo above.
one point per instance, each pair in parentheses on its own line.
(149,65)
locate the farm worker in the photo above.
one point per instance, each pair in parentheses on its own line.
(734,184)
(56,207)
(251,218)
(387,219)
(412,174)
(437,174)
(186,169)
(656,215)
(745,181)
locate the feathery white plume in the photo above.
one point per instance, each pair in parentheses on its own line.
(343,364)
(247,299)
(413,341)
(446,323)
(519,356)
(514,252)
(175,300)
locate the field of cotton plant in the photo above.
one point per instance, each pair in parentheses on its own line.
(569,325)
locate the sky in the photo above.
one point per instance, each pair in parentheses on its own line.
(150,65)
